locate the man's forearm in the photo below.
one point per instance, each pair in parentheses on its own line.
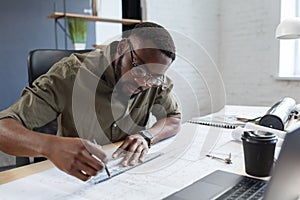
(164,128)
(18,140)
(71,155)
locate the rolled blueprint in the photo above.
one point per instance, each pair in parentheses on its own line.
(278,114)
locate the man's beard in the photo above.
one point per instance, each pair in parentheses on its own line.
(119,86)
(118,66)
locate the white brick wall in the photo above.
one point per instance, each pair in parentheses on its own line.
(249,53)
(239,36)
(195,26)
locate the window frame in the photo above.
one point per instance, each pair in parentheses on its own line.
(289,50)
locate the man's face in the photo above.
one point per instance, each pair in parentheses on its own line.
(142,66)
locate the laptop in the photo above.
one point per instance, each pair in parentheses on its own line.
(284,183)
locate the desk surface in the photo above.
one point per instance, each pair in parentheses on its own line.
(181,164)
(20,172)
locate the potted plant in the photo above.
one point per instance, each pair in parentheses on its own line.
(77,29)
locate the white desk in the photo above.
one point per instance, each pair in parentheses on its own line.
(182,163)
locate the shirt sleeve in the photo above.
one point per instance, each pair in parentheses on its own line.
(165,104)
(45,100)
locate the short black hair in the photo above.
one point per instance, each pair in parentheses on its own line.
(156,34)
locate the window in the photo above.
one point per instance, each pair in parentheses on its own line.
(106,32)
(289,61)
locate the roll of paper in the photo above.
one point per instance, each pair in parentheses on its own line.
(278,114)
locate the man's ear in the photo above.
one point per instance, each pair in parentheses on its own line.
(122,46)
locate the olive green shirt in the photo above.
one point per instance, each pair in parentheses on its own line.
(80,91)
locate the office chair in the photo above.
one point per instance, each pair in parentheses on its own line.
(39,61)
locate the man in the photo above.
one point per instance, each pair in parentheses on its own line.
(104,95)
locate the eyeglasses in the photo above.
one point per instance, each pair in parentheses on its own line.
(139,72)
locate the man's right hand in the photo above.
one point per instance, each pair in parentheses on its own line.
(74,156)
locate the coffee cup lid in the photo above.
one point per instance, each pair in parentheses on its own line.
(259,136)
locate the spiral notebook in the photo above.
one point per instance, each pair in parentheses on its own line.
(229,122)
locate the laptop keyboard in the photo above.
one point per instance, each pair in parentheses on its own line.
(247,188)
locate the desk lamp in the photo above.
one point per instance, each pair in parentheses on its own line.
(288,29)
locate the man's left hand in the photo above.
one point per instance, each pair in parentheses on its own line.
(134,147)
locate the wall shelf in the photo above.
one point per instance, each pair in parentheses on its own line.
(59,15)
(64,15)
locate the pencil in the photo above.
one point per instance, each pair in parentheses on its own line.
(105,166)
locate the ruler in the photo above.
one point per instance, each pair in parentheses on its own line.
(115,168)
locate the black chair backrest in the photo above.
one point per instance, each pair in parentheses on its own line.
(39,61)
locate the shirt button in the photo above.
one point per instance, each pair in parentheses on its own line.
(115,125)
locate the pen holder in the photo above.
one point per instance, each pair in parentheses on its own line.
(259,150)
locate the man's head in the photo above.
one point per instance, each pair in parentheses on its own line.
(143,57)
(159,36)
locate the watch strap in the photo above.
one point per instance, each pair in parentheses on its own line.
(147,136)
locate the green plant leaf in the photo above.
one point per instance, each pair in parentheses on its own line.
(77,29)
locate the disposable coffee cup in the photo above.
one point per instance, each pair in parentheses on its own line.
(259,148)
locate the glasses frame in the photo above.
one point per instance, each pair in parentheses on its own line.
(147,77)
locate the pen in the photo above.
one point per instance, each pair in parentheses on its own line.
(105,166)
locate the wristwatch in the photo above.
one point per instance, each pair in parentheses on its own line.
(147,136)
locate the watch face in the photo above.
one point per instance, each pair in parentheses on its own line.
(146,134)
